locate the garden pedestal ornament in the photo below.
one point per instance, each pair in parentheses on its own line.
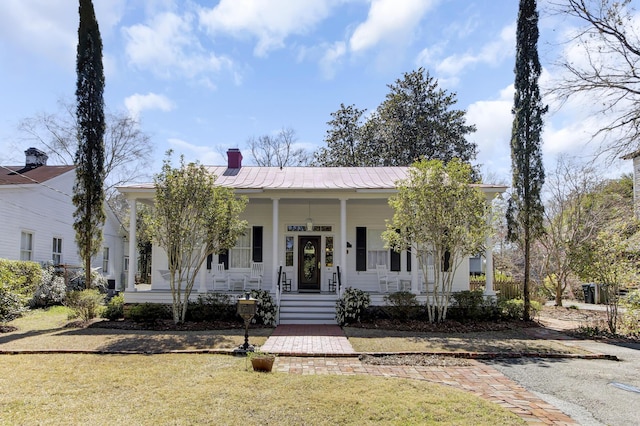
(246,309)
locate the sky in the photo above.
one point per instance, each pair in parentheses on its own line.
(205,76)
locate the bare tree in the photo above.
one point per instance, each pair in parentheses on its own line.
(279,150)
(608,46)
(127,153)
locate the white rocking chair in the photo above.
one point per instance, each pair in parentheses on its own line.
(220,278)
(254,280)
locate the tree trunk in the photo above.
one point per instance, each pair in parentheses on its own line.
(526,316)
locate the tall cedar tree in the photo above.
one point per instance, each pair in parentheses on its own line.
(525,210)
(88,191)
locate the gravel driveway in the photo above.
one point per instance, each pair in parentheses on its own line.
(592,392)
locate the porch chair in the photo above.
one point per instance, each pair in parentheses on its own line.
(254,280)
(220,278)
(384,280)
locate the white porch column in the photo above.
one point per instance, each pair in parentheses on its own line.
(274,248)
(203,280)
(133,253)
(343,242)
(488,256)
(415,273)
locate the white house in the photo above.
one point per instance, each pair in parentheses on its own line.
(36,218)
(321,227)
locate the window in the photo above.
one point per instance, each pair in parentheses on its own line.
(240,255)
(105,260)
(126,264)
(288,250)
(328,251)
(376,253)
(26,246)
(57,251)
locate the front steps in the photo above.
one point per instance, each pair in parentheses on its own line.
(308,308)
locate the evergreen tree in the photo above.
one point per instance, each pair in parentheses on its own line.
(88,191)
(344,139)
(525,210)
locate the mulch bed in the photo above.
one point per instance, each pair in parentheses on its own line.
(448,326)
(168,325)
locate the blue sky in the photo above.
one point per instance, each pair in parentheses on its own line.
(204,76)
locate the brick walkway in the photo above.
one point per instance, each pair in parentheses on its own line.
(308,349)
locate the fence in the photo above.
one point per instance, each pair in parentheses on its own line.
(506,289)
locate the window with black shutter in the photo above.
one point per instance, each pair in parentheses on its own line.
(361,248)
(256,248)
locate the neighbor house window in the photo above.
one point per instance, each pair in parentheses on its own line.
(240,255)
(376,253)
(26,246)
(56,251)
(105,260)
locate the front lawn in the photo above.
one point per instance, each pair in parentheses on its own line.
(219,389)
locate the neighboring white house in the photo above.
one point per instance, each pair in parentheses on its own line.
(312,222)
(36,218)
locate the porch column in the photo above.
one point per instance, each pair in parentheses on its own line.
(203,280)
(488,256)
(343,241)
(274,248)
(133,253)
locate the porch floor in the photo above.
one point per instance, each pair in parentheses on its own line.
(308,339)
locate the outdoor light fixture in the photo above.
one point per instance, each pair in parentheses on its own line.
(246,309)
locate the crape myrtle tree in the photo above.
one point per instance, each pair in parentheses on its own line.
(525,209)
(416,120)
(88,190)
(438,215)
(193,218)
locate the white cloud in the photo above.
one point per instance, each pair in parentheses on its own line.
(203,154)
(331,58)
(389,22)
(168,47)
(492,54)
(271,22)
(137,103)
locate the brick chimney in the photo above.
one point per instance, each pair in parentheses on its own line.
(35,158)
(234,158)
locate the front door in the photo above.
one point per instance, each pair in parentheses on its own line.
(309,263)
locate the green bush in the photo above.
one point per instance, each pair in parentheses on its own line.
(115,308)
(85,304)
(149,312)
(11,306)
(352,305)
(266,309)
(514,308)
(402,305)
(469,304)
(631,317)
(212,307)
(51,289)
(20,277)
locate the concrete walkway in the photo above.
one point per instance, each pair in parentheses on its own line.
(324,349)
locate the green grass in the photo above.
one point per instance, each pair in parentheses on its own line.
(219,389)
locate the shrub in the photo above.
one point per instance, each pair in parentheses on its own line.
(115,308)
(11,306)
(85,304)
(20,277)
(149,312)
(212,307)
(469,303)
(77,281)
(514,308)
(266,309)
(351,306)
(50,291)
(631,317)
(402,305)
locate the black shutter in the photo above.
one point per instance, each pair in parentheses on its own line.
(361,248)
(446,267)
(209,261)
(409,260)
(395,260)
(257,244)
(223,258)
